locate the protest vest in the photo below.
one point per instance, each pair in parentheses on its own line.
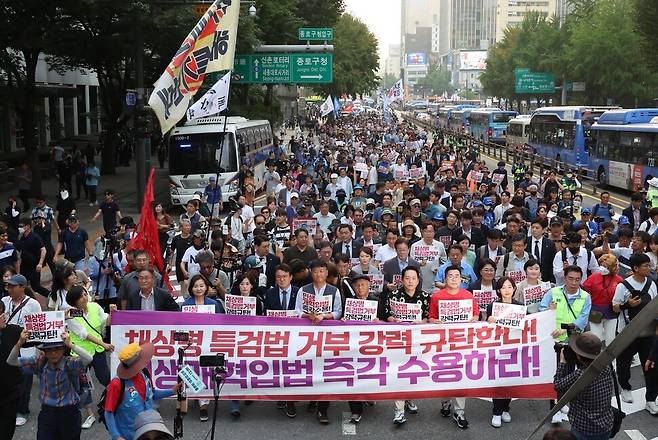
(93,318)
(563,314)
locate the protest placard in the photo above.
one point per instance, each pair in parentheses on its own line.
(206,308)
(415,173)
(376,283)
(240,305)
(315,305)
(401,174)
(360,310)
(476,176)
(406,312)
(497,178)
(446,165)
(45,326)
(446,240)
(310,224)
(397,280)
(455,310)
(282,313)
(360,166)
(508,315)
(427,253)
(484,298)
(191,379)
(516,275)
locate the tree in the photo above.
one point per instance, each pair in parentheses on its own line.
(355,59)
(437,80)
(320,13)
(646,17)
(388,81)
(27,29)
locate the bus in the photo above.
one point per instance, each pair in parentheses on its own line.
(490,124)
(517,131)
(444,113)
(459,120)
(624,148)
(194,150)
(562,133)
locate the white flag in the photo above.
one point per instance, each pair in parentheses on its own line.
(209,47)
(395,92)
(327,106)
(214,101)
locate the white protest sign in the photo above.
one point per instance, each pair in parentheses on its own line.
(483,298)
(45,326)
(509,315)
(282,313)
(240,305)
(516,275)
(455,310)
(314,305)
(191,379)
(406,312)
(360,310)
(206,308)
(427,253)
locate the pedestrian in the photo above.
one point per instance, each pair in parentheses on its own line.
(110,211)
(74,244)
(8,254)
(131,392)
(13,213)
(64,209)
(33,256)
(43,210)
(92,174)
(149,426)
(164,226)
(59,375)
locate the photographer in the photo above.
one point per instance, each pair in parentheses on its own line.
(105,275)
(211,269)
(590,413)
(572,306)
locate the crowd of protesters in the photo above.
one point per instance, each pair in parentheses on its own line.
(344,203)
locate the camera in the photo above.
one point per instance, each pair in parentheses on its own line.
(218,360)
(232,204)
(76,313)
(181,337)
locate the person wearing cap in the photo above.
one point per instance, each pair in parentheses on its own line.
(41,209)
(33,255)
(150,426)
(131,392)
(590,413)
(332,186)
(212,196)
(74,243)
(17,305)
(9,256)
(417,215)
(586,218)
(293,207)
(358,201)
(58,383)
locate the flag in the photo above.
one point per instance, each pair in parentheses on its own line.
(395,92)
(336,107)
(210,47)
(327,106)
(146,234)
(214,101)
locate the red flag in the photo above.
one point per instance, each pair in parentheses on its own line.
(146,233)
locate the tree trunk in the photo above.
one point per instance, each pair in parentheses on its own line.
(27,119)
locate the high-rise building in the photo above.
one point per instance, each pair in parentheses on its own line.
(472,24)
(512,12)
(393,61)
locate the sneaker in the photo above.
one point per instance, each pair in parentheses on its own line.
(626,396)
(557,418)
(506,417)
(235,413)
(280,404)
(565,409)
(652,408)
(496,421)
(411,406)
(203,414)
(322,418)
(399,418)
(460,420)
(20,420)
(291,410)
(446,408)
(356,418)
(88,422)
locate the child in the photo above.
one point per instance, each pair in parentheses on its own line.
(59,375)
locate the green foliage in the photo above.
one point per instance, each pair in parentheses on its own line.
(437,80)
(646,18)
(355,59)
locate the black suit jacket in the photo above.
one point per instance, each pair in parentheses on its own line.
(628,212)
(483,252)
(273,299)
(163,300)
(10,377)
(548,252)
(355,248)
(391,268)
(477,236)
(272,261)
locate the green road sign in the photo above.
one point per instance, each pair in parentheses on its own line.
(316,34)
(283,68)
(533,82)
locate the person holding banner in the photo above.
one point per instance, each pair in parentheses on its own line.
(531,290)
(453,292)
(406,304)
(505,288)
(58,381)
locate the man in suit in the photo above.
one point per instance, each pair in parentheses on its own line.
(542,249)
(345,244)
(268,259)
(319,289)
(283,198)
(475,234)
(10,376)
(493,249)
(636,213)
(396,265)
(150,298)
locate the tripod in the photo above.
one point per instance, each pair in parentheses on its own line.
(218,379)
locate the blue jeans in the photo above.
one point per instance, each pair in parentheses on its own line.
(581,436)
(80,265)
(234,406)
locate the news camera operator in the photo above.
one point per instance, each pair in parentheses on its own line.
(572,306)
(104,273)
(210,267)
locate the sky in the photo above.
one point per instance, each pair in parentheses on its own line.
(382,18)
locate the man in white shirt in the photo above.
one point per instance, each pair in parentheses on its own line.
(344,182)
(387,251)
(574,254)
(505,204)
(324,217)
(428,263)
(650,225)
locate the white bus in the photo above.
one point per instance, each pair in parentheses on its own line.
(194,150)
(517,131)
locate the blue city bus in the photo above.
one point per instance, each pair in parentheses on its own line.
(490,124)
(563,133)
(624,147)
(444,113)
(459,120)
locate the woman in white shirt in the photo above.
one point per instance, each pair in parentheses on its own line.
(62,282)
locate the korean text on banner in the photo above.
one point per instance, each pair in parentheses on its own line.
(508,315)
(213,101)
(209,47)
(45,326)
(240,305)
(360,309)
(291,359)
(455,310)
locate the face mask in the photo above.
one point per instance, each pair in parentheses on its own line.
(577,202)
(21,230)
(64,195)
(604,270)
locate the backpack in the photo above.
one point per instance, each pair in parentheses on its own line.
(589,259)
(642,294)
(101,402)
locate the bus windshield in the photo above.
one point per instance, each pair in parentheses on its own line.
(196,153)
(502,117)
